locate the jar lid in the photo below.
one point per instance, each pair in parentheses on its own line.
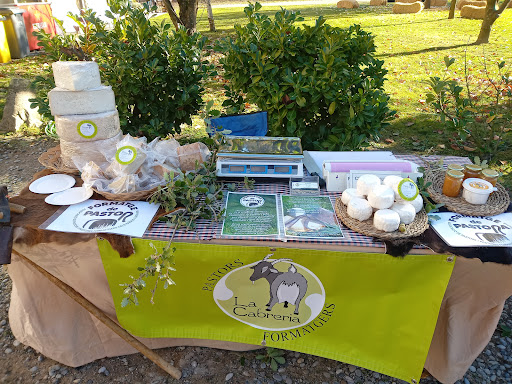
(456,167)
(455,174)
(473,167)
(479,186)
(488,172)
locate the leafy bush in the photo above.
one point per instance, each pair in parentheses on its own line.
(156,74)
(320,83)
(479,111)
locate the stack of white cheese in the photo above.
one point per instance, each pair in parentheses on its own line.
(383,201)
(86,117)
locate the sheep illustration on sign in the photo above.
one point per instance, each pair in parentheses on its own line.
(288,287)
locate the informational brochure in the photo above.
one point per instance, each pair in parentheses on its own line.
(474,231)
(309,217)
(129,218)
(251,214)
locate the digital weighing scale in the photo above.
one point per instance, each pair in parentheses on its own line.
(260,156)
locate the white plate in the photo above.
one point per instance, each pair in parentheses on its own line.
(52,183)
(69,196)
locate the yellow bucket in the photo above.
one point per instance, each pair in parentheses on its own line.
(5,54)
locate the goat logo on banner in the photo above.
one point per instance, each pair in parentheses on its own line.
(271,294)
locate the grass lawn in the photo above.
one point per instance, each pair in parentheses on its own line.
(412,48)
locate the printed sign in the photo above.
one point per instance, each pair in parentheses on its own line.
(129,218)
(125,155)
(474,231)
(87,129)
(250,214)
(297,296)
(310,216)
(346,306)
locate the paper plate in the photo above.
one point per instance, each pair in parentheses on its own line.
(69,196)
(52,183)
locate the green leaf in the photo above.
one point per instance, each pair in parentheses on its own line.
(332,108)
(273,365)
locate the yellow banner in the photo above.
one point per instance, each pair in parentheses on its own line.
(366,309)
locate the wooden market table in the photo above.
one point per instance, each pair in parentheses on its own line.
(468,316)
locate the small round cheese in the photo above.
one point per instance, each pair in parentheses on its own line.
(386,220)
(381,197)
(359,209)
(417,203)
(392,181)
(365,184)
(348,194)
(406,211)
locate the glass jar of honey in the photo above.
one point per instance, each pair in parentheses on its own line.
(472,170)
(490,175)
(455,167)
(452,183)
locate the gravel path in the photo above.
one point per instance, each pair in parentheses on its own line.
(21,364)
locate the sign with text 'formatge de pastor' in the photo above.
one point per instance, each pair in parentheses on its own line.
(130,218)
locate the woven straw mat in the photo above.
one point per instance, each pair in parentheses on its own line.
(416,228)
(498,201)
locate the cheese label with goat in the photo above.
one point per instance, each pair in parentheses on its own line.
(87,129)
(126,155)
(408,190)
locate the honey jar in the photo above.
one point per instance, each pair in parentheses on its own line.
(452,183)
(472,170)
(490,175)
(455,167)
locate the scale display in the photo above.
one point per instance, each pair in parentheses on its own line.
(229,167)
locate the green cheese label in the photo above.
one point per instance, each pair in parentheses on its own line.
(126,155)
(408,190)
(87,129)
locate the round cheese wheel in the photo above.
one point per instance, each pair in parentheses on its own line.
(365,184)
(348,194)
(417,203)
(359,209)
(386,220)
(406,211)
(381,197)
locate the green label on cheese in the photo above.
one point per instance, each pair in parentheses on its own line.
(126,155)
(87,129)
(408,190)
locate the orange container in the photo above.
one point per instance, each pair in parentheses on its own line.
(452,183)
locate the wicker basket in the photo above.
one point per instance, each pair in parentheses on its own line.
(51,159)
(498,201)
(416,228)
(127,196)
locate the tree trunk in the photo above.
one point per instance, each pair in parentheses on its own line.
(172,14)
(427,4)
(451,15)
(188,14)
(210,15)
(491,14)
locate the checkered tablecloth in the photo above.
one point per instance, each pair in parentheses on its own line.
(207,230)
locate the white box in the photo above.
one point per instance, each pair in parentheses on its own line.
(76,75)
(98,100)
(338,181)
(83,128)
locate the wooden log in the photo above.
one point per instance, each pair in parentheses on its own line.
(101,316)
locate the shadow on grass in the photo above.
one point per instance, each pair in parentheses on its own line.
(425,50)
